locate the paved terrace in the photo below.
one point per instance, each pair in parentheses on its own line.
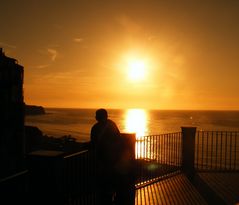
(188,167)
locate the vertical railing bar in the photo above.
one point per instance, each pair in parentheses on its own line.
(154,143)
(165,149)
(144,155)
(157,148)
(196,150)
(149,148)
(177,149)
(221,152)
(164,140)
(226,151)
(145,147)
(202,144)
(237,153)
(180,150)
(148,154)
(230,167)
(207,152)
(173,147)
(139,150)
(169,146)
(145,151)
(152,147)
(197,147)
(235,149)
(212,145)
(168,150)
(136,149)
(174,154)
(216,149)
(179,136)
(151,152)
(161,148)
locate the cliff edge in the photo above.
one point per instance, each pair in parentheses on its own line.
(34,110)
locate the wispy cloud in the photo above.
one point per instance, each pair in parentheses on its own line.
(53,53)
(41,66)
(78,40)
(7,45)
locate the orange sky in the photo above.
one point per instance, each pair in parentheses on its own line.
(76,53)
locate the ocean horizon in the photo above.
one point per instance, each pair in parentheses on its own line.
(77,122)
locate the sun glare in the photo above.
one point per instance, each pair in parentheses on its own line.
(136,122)
(136,70)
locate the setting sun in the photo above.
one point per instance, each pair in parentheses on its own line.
(136,69)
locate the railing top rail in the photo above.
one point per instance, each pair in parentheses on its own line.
(13,176)
(162,134)
(226,131)
(76,154)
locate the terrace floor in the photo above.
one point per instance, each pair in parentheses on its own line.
(206,188)
(219,187)
(176,189)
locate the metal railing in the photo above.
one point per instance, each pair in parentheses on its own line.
(78,176)
(157,156)
(217,151)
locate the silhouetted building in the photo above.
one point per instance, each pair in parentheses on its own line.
(12,142)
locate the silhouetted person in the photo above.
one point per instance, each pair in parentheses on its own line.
(106,140)
(114,162)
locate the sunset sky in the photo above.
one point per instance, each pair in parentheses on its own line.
(125,54)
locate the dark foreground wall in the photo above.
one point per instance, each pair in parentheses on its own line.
(12,141)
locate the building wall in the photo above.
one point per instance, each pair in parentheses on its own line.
(12,141)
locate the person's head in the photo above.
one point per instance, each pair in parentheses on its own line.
(101,115)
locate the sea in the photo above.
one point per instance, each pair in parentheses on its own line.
(77,123)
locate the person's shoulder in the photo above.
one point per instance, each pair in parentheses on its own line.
(112,125)
(95,126)
(109,121)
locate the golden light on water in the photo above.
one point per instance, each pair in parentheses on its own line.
(136,122)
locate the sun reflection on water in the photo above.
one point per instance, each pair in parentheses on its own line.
(136,121)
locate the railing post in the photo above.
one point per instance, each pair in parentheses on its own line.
(188,151)
(128,168)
